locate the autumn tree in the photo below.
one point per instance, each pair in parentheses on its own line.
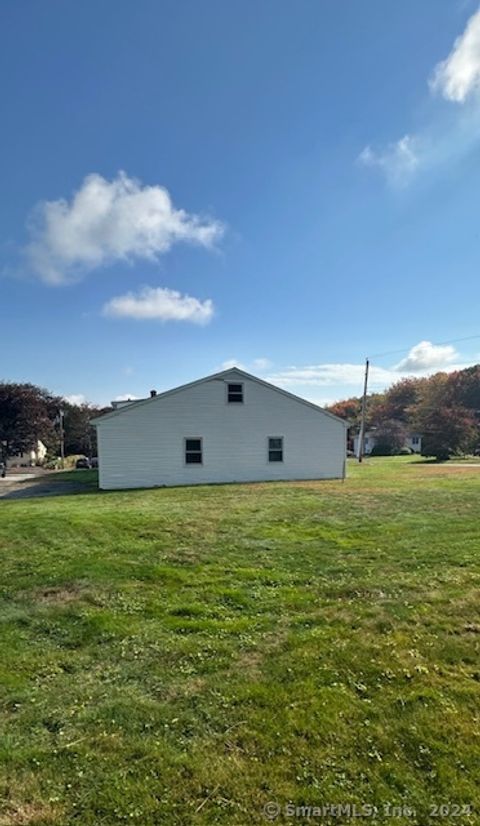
(447,427)
(444,409)
(350,409)
(401,398)
(464,388)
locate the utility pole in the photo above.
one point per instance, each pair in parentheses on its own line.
(361,438)
(61,414)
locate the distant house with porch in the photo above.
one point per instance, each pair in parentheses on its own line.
(29,458)
(413,442)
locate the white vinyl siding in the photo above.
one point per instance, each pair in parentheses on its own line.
(144,444)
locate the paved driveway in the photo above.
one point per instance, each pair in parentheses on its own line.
(11,478)
(28,486)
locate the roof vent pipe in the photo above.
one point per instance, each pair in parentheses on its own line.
(153,393)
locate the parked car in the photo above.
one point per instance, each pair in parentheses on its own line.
(83,464)
(94,462)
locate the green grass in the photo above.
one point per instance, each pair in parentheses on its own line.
(186,655)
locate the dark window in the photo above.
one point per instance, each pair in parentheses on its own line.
(275,449)
(235,393)
(193,451)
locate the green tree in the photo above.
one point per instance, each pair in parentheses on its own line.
(80,436)
(390,437)
(27,414)
(447,431)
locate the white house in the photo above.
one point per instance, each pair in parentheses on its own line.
(30,458)
(413,441)
(228,427)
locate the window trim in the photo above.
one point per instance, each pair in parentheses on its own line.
(227,385)
(187,439)
(277,450)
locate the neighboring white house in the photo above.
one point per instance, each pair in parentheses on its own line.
(229,427)
(413,441)
(30,458)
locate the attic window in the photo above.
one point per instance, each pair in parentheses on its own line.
(235,393)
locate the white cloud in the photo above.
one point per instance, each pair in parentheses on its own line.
(261,364)
(108,221)
(458,76)
(76,399)
(398,161)
(323,401)
(126,397)
(423,359)
(426,356)
(229,363)
(257,365)
(332,374)
(160,303)
(442,140)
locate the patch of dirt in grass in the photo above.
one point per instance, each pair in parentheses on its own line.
(188,688)
(467,604)
(471,628)
(29,814)
(250,662)
(183,556)
(60,595)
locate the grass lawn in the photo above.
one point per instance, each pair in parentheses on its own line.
(187,655)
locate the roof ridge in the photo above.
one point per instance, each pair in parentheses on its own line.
(152,399)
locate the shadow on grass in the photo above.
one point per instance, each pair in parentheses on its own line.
(454,460)
(66,483)
(429,460)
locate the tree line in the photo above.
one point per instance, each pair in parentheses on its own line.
(444,409)
(29,413)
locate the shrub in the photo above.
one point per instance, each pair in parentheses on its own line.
(381,449)
(71,461)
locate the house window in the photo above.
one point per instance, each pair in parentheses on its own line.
(415,440)
(234,393)
(193,452)
(275,449)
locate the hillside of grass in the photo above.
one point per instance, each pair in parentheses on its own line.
(188,655)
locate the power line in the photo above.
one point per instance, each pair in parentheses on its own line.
(434,344)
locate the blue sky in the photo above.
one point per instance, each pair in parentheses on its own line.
(292,186)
